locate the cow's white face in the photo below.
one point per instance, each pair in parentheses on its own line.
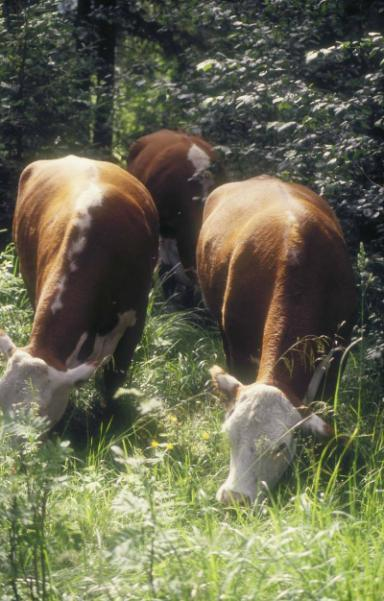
(30,380)
(260,430)
(260,424)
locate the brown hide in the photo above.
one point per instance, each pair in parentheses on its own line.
(275,273)
(160,161)
(84,265)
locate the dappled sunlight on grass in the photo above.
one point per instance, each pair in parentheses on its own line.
(131,513)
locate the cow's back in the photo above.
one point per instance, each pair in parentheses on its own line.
(161,161)
(251,223)
(145,151)
(86,233)
(273,268)
(58,201)
(87,237)
(176,169)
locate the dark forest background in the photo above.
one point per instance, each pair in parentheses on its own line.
(293,88)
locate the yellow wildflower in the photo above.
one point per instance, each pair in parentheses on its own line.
(154,444)
(205,436)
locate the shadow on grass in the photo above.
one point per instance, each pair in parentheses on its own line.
(84,426)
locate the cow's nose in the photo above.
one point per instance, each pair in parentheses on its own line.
(232,497)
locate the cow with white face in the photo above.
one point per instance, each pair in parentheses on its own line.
(86,233)
(260,424)
(28,380)
(179,170)
(275,273)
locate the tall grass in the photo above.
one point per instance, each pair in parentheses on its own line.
(133,516)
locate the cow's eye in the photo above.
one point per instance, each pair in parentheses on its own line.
(281,449)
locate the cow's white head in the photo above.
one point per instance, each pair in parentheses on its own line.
(29,380)
(260,423)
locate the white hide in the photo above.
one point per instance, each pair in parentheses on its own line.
(199,158)
(104,346)
(201,162)
(6,345)
(58,300)
(30,380)
(293,248)
(261,433)
(89,198)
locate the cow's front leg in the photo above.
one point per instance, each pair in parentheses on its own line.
(115,370)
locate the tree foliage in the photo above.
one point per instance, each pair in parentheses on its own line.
(288,87)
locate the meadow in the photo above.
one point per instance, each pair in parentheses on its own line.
(126,510)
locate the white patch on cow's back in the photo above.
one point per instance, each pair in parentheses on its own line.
(292,239)
(199,158)
(83,220)
(291,219)
(293,256)
(77,246)
(89,198)
(58,300)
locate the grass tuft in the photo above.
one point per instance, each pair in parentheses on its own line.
(133,515)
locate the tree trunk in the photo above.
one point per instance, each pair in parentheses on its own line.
(85,45)
(105,22)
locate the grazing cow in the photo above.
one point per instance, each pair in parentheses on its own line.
(86,234)
(176,169)
(275,273)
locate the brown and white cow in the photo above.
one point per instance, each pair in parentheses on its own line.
(176,169)
(275,273)
(86,233)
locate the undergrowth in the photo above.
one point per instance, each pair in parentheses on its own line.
(130,513)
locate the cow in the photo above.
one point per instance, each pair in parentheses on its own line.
(275,273)
(176,167)
(86,234)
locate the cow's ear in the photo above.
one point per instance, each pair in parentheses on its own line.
(315,424)
(81,373)
(226,384)
(72,376)
(7,347)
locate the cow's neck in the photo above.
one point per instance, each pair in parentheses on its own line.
(289,348)
(62,315)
